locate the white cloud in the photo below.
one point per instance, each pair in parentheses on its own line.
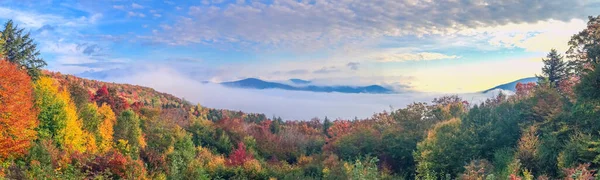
(533,37)
(136,6)
(422,56)
(120,7)
(29,19)
(135,14)
(92,19)
(73,58)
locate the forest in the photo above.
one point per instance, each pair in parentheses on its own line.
(55,126)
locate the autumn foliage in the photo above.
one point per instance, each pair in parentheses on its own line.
(66,127)
(17,114)
(239,156)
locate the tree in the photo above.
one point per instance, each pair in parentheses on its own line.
(555,69)
(79,95)
(239,156)
(128,129)
(20,49)
(326,124)
(361,141)
(443,152)
(17,113)
(585,47)
(91,118)
(527,150)
(105,129)
(181,156)
(589,85)
(74,136)
(51,115)
(58,115)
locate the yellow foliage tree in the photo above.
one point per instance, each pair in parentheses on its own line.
(90,145)
(73,132)
(106,130)
(58,116)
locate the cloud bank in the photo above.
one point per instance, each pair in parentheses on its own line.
(323,23)
(290,105)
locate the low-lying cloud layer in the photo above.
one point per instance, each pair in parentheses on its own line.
(290,105)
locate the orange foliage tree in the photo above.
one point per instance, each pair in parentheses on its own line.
(17,113)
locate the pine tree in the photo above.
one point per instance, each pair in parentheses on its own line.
(20,49)
(555,69)
(326,124)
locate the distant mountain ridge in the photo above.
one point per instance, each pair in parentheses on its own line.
(511,85)
(299,81)
(254,83)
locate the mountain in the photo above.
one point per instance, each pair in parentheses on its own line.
(299,81)
(253,83)
(511,85)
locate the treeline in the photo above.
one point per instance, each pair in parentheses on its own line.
(63,127)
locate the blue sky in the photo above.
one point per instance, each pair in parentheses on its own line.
(441,46)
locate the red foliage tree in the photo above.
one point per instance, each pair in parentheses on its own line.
(110,97)
(239,156)
(17,113)
(137,106)
(103,96)
(113,161)
(524,90)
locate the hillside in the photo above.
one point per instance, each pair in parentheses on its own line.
(131,93)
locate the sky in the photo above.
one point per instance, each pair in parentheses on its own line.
(425,46)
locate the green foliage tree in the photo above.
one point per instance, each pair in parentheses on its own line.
(326,124)
(587,89)
(183,153)
(555,69)
(128,129)
(91,118)
(444,152)
(358,143)
(275,126)
(52,115)
(20,49)
(363,170)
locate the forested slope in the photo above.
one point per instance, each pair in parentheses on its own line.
(55,126)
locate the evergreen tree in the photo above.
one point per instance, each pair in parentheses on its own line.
(326,124)
(555,69)
(20,49)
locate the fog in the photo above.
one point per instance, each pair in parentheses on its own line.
(290,105)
